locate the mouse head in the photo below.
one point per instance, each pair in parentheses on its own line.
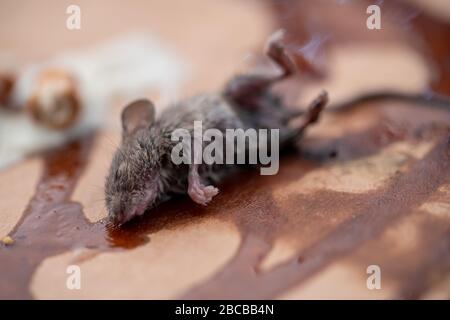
(132,184)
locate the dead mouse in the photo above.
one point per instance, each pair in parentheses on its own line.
(142,174)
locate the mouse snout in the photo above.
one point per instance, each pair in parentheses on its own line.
(125,206)
(118,218)
(117,211)
(123,209)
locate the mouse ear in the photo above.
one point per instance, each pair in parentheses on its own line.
(137,115)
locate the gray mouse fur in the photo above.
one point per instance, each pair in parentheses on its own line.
(142,174)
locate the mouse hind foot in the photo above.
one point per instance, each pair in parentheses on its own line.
(247,89)
(309,117)
(197,191)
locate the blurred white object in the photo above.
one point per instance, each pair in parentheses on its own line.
(128,67)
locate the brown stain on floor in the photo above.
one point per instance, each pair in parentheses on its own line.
(381,209)
(53,224)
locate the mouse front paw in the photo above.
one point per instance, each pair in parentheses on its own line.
(202,194)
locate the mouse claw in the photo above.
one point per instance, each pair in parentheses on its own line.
(210,192)
(275,39)
(202,194)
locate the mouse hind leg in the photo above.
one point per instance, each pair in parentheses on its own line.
(249,90)
(197,190)
(309,117)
